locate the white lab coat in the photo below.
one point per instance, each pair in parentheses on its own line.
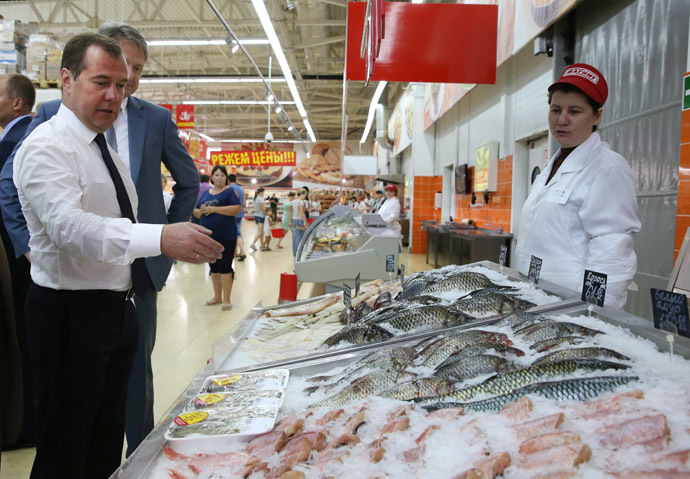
(390,213)
(583,219)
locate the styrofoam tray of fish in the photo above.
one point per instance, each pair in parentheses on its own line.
(609,406)
(431,300)
(229,406)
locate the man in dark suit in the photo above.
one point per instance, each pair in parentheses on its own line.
(17,97)
(152,139)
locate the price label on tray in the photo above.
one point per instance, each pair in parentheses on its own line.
(267,402)
(208,399)
(269,384)
(257,425)
(188,418)
(225,380)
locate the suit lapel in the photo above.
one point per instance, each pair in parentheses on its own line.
(136,127)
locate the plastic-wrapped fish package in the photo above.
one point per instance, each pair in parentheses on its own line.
(253,381)
(270,398)
(223,422)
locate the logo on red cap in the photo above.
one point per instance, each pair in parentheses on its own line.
(588,75)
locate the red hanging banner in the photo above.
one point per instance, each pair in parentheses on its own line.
(261,158)
(185,116)
(435,42)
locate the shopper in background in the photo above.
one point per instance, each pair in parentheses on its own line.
(390,209)
(314,205)
(259,217)
(378,202)
(271,219)
(216,211)
(86,261)
(362,205)
(232,179)
(369,201)
(299,219)
(204,186)
(146,137)
(582,210)
(286,218)
(167,197)
(17,97)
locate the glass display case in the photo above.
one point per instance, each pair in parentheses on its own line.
(338,246)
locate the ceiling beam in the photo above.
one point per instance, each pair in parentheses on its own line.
(190,25)
(320,42)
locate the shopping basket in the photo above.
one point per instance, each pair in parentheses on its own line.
(278,232)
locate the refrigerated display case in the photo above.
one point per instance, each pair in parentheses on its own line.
(337,247)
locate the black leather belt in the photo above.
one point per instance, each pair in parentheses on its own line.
(106,293)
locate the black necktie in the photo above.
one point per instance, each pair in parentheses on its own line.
(139,272)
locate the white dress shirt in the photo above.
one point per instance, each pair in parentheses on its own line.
(79,239)
(122,134)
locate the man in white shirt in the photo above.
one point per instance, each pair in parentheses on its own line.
(78,200)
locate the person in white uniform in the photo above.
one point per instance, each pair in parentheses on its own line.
(582,210)
(390,209)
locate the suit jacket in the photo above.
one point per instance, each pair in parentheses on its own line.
(7,145)
(153,139)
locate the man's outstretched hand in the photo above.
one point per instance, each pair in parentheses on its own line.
(190,242)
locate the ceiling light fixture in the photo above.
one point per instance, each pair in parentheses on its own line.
(310,132)
(235,47)
(191,42)
(278,109)
(232,102)
(290,128)
(270,97)
(206,137)
(372,109)
(277,49)
(208,80)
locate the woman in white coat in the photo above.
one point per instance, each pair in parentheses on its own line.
(390,210)
(582,210)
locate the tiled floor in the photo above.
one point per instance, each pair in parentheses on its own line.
(187,329)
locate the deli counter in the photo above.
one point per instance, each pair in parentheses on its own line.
(339,245)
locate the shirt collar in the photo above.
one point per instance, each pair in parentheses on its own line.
(68,117)
(123,107)
(9,126)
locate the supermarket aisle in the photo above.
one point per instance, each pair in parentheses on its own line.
(187,328)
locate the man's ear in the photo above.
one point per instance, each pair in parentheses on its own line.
(17,104)
(66,79)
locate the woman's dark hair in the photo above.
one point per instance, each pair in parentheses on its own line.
(203,179)
(291,194)
(221,168)
(568,88)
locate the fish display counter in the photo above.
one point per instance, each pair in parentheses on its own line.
(338,246)
(431,301)
(577,391)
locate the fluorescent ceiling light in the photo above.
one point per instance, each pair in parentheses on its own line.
(233,102)
(202,42)
(310,132)
(278,109)
(372,109)
(208,80)
(206,137)
(417,1)
(275,44)
(235,47)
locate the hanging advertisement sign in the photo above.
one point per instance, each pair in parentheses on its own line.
(257,158)
(185,116)
(486,167)
(322,169)
(400,122)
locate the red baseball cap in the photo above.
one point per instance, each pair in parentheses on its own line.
(586,78)
(392,188)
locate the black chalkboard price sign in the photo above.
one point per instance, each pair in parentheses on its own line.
(534,269)
(670,311)
(357,284)
(402,276)
(502,255)
(347,296)
(594,287)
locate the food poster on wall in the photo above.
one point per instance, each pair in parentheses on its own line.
(259,164)
(322,169)
(534,16)
(441,97)
(401,121)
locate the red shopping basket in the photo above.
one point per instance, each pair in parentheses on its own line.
(278,232)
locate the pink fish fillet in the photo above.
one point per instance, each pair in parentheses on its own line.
(239,462)
(266,444)
(518,410)
(679,457)
(539,426)
(559,456)
(658,474)
(549,440)
(635,431)
(446,414)
(493,465)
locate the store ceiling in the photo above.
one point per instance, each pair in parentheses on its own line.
(312,35)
